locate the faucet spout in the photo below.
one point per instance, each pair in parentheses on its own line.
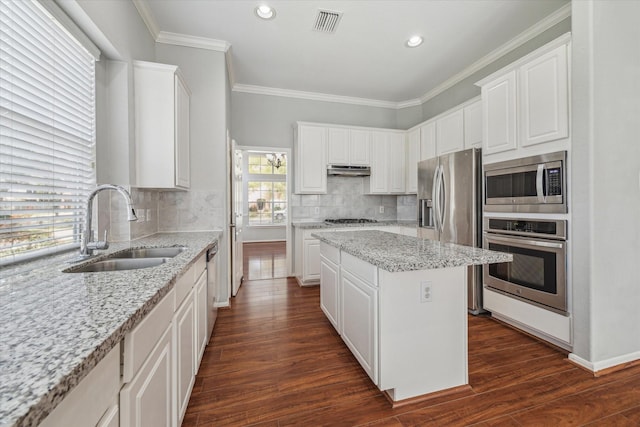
(87,246)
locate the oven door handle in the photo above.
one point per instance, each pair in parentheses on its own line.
(516,240)
(539,183)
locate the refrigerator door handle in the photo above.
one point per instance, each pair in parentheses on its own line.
(437,198)
(442,198)
(434,195)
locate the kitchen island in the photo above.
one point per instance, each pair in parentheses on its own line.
(400,305)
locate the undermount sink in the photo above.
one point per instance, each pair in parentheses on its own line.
(117,264)
(169,252)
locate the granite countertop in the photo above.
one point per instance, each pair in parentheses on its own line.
(397,253)
(310,225)
(57,326)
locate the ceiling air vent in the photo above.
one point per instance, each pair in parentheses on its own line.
(327,21)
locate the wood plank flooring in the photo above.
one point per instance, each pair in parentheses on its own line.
(274,361)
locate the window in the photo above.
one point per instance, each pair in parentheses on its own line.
(47,132)
(267,188)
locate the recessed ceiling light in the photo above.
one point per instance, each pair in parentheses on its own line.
(414,41)
(265,12)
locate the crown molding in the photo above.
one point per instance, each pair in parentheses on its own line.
(531,32)
(147,16)
(192,41)
(313,96)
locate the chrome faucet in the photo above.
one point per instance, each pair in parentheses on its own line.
(87,246)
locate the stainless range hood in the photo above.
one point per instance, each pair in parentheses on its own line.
(343,170)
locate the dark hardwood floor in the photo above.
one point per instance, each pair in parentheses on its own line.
(274,361)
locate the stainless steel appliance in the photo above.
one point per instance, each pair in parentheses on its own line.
(538,272)
(532,184)
(340,170)
(450,207)
(212,288)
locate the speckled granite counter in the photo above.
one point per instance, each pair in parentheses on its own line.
(397,253)
(57,326)
(312,225)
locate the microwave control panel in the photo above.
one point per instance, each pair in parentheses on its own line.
(554,177)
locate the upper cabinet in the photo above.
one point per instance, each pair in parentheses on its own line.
(348,146)
(311,159)
(161,126)
(412,158)
(428,140)
(387,163)
(543,98)
(527,103)
(473,125)
(450,132)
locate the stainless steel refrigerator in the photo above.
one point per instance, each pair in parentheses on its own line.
(450,207)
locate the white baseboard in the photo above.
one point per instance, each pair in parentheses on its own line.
(604,364)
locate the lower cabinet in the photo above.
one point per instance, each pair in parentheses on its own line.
(329,277)
(359,301)
(185,350)
(147,400)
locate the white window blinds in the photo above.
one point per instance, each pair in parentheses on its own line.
(47,132)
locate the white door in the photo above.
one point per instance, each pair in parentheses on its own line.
(237,219)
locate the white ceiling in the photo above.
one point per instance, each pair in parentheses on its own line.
(366,57)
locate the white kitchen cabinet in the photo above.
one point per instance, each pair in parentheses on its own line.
(412,159)
(543,98)
(387,163)
(359,147)
(359,317)
(499,114)
(450,132)
(428,141)
(347,146)
(311,159)
(161,100)
(473,125)
(200,303)
(111,418)
(329,279)
(311,271)
(146,401)
(93,399)
(184,338)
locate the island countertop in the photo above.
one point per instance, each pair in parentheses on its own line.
(398,253)
(57,326)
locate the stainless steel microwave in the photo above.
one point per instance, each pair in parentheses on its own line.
(535,184)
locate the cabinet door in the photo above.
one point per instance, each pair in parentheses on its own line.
(428,141)
(499,114)
(359,147)
(397,162)
(338,146)
(311,166)
(182,135)
(311,268)
(450,132)
(200,301)
(329,291)
(412,158)
(184,322)
(359,321)
(147,400)
(473,125)
(544,98)
(379,179)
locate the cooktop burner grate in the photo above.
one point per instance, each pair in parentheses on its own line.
(349,220)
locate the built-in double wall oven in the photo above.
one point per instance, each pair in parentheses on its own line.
(538,272)
(531,196)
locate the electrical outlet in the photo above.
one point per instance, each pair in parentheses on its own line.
(148,214)
(141,215)
(317,210)
(426,292)
(381,209)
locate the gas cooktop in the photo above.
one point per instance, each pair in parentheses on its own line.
(349,221)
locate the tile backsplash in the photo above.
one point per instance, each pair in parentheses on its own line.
(345,198)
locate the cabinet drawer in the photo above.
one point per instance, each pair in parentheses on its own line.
(140,341)
(330,252)
(360,269)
